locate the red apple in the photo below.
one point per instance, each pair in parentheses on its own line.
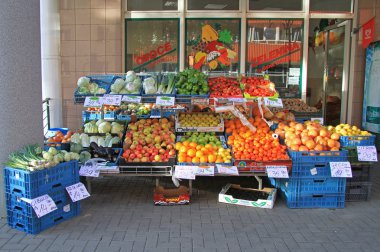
(132,156)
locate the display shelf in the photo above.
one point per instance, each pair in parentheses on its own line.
(141,171)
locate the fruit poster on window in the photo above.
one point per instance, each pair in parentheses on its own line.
(215,48)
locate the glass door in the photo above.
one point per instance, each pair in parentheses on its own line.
(335,79)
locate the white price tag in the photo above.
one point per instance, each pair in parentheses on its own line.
(165,101)
(93,101)
(277,171)
(294,71)
(42,205)
(184,172)
(237,100)
(114,100)
(276,103)
(340,169)
(200,101)
(367,153)
(204,170)
(318,120)
(131,99)
(314,171)
(89,169)
(229,170)
(293,80)
(77,192)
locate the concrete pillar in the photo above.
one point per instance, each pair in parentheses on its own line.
(20,79)
(51,59)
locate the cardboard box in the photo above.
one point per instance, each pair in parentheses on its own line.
(168,197)
(225,197)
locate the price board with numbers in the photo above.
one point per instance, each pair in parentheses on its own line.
(200,101)
(42,205)
(340,169)
(114,100)
(165,101)
(77,192)
(277,171)
(93,101)
(204,170)
(228,170)
(131,99)
(367,153)
(276,103)
(89,169)
(184,172)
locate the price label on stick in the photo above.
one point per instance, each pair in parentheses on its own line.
(131,99)
(184,172)
(318,120)
(77,192)
(93,101)
(367,153)
(277,171)
(204,170)
(42,205)
(228,170)
(114,100)
(340,169)
(89,169)
(276,103)
(165,101)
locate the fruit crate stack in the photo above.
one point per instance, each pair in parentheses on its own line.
(310,184)
(26,184)
(358,187)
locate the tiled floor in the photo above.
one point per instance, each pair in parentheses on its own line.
(120,216)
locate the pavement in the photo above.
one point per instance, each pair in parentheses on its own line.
(120,216)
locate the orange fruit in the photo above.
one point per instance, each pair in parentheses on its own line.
(208,146)
(183,149)
(188,159)
(178,146)
(199,153)
(186,143)
(211,158)
(181,159)
(335,136)
(199,147)
(195,160)
(191,153)
(219,160)
(193,144)
(203,159)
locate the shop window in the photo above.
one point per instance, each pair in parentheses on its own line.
(213,44)
(152,5)
(275,5)
(152,44)
(274,48)
(213,5)
(331,6)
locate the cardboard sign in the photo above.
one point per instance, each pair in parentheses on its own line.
(277,171)
(77,192)
(228,170)
(165,101)
(204,170)
(184,172)
(367,153)
(276,103)
(131,99)
(114,100)
(340,169)
(93,101)
(42,205)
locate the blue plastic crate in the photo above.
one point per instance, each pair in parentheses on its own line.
(318,156)
(91,115)
(105,78)
(34,184)
(274,182)
(34,225)
(312,186)
(351,141)
(294,200)
(186,99)
(110,115)
(128,118)
(165,112)
(15,204)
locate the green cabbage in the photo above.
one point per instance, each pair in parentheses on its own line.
(83,82)
(85,140)
(117,86)
(117,128)
(84,156)
(90,127)
(75,138)
(104,127)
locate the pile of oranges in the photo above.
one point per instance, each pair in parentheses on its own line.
(191,152)
(257,146)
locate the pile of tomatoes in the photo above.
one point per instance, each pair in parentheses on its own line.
(60,138)
(257,87)
(224,87)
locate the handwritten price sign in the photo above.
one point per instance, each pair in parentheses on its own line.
(204,170)
(200,101)
(277,171)
(165,101)
(89,169)
(42,205)
(93,101)
(276,103)
(184,172)
(131,99)
(367,153)
(228,170)
(77,192)
(114,100)
(340,169)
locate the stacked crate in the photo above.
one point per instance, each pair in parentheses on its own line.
(25,184)
(358,187)
(310,184)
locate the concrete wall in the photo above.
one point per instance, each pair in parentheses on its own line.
(91,42)
(20,83)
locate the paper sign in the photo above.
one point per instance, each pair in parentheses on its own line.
(293,80)
(43,205)
(200,101)
(165,101)
(131,99)
(237,100)
(228,170)
(89,169)
(318,120)
(114,100)
(340,169)
(367,153)
(276,103)
(77,192)
(277,171)
(93,101)
(314,171)
(184,172)
(204,170)
(294,71)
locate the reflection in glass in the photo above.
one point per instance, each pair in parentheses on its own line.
(149,5)
(331,6)
(275,5)
(213,5)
